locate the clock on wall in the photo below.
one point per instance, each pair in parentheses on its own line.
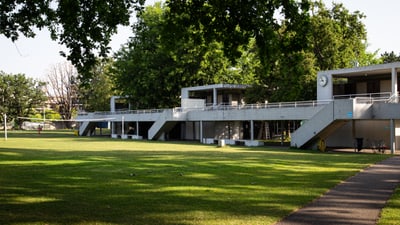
(323,80)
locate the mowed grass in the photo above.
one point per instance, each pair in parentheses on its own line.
(58,178)
(390,214)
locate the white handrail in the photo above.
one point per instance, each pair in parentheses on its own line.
(298,104)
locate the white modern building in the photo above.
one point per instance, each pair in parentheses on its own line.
(354,104)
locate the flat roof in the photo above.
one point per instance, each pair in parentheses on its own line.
(185,91)
(216,86)
(379,69)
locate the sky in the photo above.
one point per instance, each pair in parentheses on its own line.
(35,56)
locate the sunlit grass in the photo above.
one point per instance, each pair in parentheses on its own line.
(390,214)
(57,178)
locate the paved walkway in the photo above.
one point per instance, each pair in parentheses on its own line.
(358,200)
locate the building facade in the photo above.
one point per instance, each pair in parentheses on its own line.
(352,104)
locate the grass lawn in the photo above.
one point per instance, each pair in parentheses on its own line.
(58,178)
(390,215)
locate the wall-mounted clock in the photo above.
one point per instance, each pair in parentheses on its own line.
(323,80)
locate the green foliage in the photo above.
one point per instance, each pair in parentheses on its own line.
(234,22)
(276,45)
(143,70)
(84,27)
(338,37)
(163,57)
(95,93)
(389,57)
(49,114)
(19,95)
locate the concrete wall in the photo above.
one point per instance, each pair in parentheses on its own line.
(385,111)
(325,92)
(370,130)
(192,103)
(300,113)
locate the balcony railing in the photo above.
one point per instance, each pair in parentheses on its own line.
(118,112)
(370,98)
(298,104)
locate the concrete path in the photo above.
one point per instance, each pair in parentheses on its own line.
(358,200)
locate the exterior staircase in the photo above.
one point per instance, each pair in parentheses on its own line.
(322,124)
(163,124)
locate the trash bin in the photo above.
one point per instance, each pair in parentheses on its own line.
(359,142)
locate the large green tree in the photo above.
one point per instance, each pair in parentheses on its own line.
(19,96)
(235,22)
(164,56)
(339,37)
(140,63)
(336,39)
(85,27)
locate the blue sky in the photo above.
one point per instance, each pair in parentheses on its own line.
(34,57)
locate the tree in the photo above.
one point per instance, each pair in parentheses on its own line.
(142,67)
(338,36)
(61,89)
(337,39)
(96,94)
(19,96)
(85,27)
(389,57)
(163,57)
(234,22)
(269,44)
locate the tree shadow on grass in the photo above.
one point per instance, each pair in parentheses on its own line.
(161,187)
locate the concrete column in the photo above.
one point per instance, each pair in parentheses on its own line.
(112,103)
(251,130)
(137,128)
(215,97)
(394,83)
(392,136)
(201,131)
(123,125)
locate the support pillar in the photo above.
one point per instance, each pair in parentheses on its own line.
(392,136)
(251,130)
(137,128)
(201,131)
(394,84)
(215,97)
(123,125)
